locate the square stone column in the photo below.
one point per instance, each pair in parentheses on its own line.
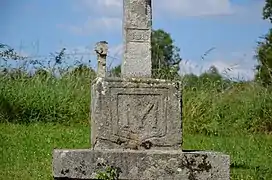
(137,28)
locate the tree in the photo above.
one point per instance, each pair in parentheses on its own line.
(264,51)
(6,52)
(212,77)
(165,56)
(83,71)
(264,57)
(267,10)
(190,81)
(116,71)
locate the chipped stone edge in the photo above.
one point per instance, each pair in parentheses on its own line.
(144,80)
(59,156)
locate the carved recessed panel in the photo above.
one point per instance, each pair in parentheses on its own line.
(138,35)
(138,114)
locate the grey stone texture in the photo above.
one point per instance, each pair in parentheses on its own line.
(141,165)
(137,28)
(136,114)
(101,50)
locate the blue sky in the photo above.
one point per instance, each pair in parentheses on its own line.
(232,27)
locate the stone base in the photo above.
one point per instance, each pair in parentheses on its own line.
(140,165)
(138,114)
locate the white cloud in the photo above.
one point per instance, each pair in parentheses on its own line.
(236,71)
(107,14)
(110,4)
(177,7)
(94,25)
(112,8)
(234,65)
(193,7)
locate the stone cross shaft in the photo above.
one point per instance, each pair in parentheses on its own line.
(137,28)
(101,50)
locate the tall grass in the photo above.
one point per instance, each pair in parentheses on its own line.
(211,104)
(231,113)
(238,107)
(25,99)
(209,107)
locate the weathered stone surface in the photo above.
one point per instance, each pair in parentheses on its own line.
(141,165)
(136,114)
(101,50)
(137,28)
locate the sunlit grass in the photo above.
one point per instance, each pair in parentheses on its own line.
(27,150)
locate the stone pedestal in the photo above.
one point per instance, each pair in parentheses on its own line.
(136,129)
(141,165)
(136,122)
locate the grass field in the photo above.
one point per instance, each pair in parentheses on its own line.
(40,113)
(26,150)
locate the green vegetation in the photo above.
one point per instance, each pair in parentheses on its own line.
(264,51)
(41,112)
(267,10)
(44,98)
(165,55)
(210,103)
(109,173)
(223,108)
(26,150)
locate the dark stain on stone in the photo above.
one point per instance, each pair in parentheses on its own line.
(99,87)
(101,164)
(64,172)
(169,171)
(205,165)
(193,167)
(119,141)
(81,168)
(147,144)
(118,170)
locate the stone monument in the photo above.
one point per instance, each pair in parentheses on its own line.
(136,123)
(137,27)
